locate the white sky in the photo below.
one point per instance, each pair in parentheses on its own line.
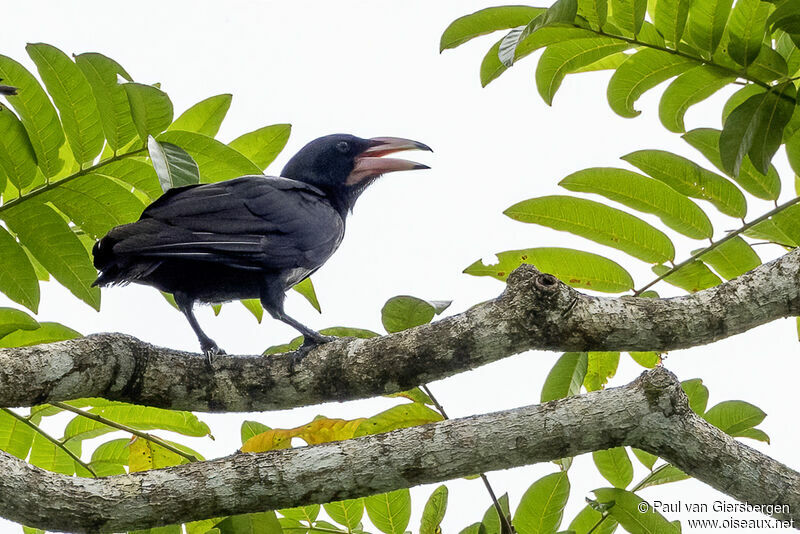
(372,69)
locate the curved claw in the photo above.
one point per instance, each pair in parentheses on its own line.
(211,350)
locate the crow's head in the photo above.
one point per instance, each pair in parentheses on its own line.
(343,165)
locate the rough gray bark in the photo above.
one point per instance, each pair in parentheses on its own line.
(534,312)
(651,413)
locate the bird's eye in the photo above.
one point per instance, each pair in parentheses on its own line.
(343,147)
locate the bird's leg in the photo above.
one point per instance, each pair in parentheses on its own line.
(272,301)
(207,345)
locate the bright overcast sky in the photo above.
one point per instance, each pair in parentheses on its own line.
(373,69)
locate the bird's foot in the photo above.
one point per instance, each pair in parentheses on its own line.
(210,349)
(309,344)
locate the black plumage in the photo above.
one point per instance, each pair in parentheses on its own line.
(250,237)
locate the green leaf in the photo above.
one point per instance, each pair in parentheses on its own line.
(573,267)
(766,186)
(136,173)
(549,35)
(16,437)
(96,203)
(566,377)
(588,520)
(486,21)
(747,26)
(215,160)
(56,247)
(17,278)
(401,416)
(404,312)
(257,523)
(561,58)
(112,101)
(139,417)
(46,455)
(579,216)
(690,179)
(254,307)
(111,457)
(338,331)
(74,99)
(508,45)
(646,359)
(262,146)
(17,158)
(205,117)
(734,417)
(692,277)
(615,466)
(174,167)
(37,115)
(642,71)
(670,19)
(491,519)
(302,513)
(629,14)
(595,11)
(626,510)
(643,194)
(739,97)
(707,19)
(151,109)
(45,333)
(753,433)
(648,460)
(691,87)
(663,475)
(347,513)
(389,512)
(306,288)
(491,66)
(732,258)
(252,428)
(789,51)
(542,506)
(600,367)
(768,66)
(697,393)
(786,16)
(756,128)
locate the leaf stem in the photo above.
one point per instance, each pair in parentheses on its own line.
(507,527)
(717,243)
(51,439)
(120,426)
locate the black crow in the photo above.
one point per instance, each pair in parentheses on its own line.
(250,237)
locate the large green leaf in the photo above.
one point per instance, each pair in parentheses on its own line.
(629,14)
(491,66)
(216,161)
(766,186)
(262,146)
(626,508)
(433,513)
(566,377)
(136,173)
(486,21)
(111,457)
(74,99)
(139,417)
(404,312)
(747,27)
(693,277)
(561,58)
(15,436)
(789,51)
(17,278)
(542,506)
(174,167)
(205,117)
(670,19)
(600,367)
(591,521)
(550,35)
(37,115)
(347,513)
(96,203)
(642,71)
(732,258)
(11,320)
(595,11)
(707,19)
(735,416)
(45,454)
(697,394)
(56,247)
(688,178)
(45,333)
(151,109)
(573,267)
(615,466)
(582,217)
(390,512)
(756,128)
(691,87)
(491,519)
(17,158)
(112,100)
(643,194)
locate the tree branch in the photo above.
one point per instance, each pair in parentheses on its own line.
(651,413)
(534,312)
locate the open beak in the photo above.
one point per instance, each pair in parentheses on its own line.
(370,163)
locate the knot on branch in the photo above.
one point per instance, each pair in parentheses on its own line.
(538,299)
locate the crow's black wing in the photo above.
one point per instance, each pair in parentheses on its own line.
(252,222)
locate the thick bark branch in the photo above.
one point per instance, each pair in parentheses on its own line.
(534,312)
(651,413)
